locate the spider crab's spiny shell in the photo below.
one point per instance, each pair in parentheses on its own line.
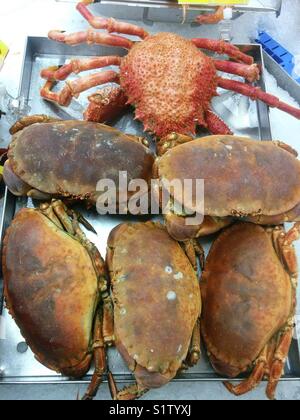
(171,93)
(157,301)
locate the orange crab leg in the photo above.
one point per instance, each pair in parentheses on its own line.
(90,37)
(111,25)
(212,17)
(255,378)
(256,93)
(279,360)
(78,66)
(250,72)
(100,361)
(128,393)
(222,47)
(216,125)
(74,88)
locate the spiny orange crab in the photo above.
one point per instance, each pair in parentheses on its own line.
(166,77)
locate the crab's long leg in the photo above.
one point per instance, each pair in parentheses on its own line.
(279,360)
(128,393)
(111,25)
(211,18)
(215,124)
(222,47)
(285,250)
(78,66)
(292,235)
(195,346)
(100,360)
(90,37)
(256,93)
(283,244)
(255,378)
(250,72)
(74,88)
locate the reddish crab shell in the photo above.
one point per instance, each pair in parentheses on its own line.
(178,102)
(249,299)
(51,290)
(154,290)
(69,158)
(257,180)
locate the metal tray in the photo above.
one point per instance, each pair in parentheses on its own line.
(252,6)
(17,363)
(151,11)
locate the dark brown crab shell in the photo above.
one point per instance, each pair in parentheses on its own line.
(51,290)
(242,177)
(247,298)
(157,301)
(69,158)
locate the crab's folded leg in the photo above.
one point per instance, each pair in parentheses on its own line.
(194,251)
(256,93)
(77,66)
(215,124)
(90,37)
(111,25)
(255,378)
(279,360)
(100,361)
(222,47)
(74,88)
(250,72)
(30,120)
(211,18)
(128,393)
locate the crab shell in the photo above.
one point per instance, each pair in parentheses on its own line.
(174,103)
(258,180)
(248,298)
(157,301)
(51,290)
(69,158)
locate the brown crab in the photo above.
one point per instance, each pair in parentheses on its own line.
(53,158)
(212,18)
(55,288)
(157,305)
(255,180)
(249,300)
(166,77)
